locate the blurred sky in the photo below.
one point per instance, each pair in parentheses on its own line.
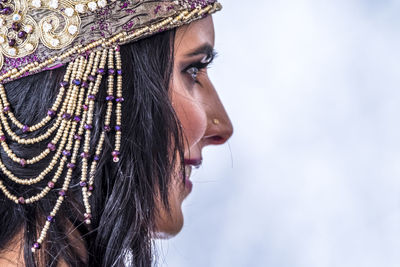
(311,177)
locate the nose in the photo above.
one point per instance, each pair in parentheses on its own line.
(219,126)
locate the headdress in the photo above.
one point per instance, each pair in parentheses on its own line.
(39,35)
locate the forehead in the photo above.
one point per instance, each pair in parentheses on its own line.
(195,34)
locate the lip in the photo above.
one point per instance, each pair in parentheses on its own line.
(194,162)
(189,164)
(188,185)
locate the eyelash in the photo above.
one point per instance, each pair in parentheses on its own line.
(194,68)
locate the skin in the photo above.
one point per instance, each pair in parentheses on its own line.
(197,105)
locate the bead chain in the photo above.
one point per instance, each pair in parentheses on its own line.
(73,109)
(50,113)
(88,127)
(118,111)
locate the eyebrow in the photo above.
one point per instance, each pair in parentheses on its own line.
(206,49)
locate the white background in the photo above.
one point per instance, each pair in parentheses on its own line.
(311,177)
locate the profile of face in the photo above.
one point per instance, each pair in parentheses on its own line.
(202,116)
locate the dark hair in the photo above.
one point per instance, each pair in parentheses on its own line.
(124,197)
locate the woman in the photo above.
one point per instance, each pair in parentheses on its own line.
(100,130)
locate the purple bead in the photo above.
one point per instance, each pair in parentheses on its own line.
(117,128)
(6,109)
(2,138)
(90,188)
(91,78)
(64,84)
(85,107)
(88,216)
(117,48)
(22,162)
(111,71)
(7,10)
(51,113)
(120,99)
(66,153)
(110,98)
(84,155)
(25,128)
(115,153)
(71,165)
(12,42)
(22,34)
(50,218)
(21,200)
(50,184)
(101,71)
(51,146)
(76,82)
(16,26)
(62,193)
(85,85)
(66,116)
(77,137)
(36,245)
(119,71)
(107,128)
(83,184)
(96,158)
(91,97)
(88,126)
(77,118)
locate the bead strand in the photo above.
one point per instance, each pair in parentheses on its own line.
(72,164)
(88,127)
(96,155)
(85,155)
(50,113)
(69,103)
(51,146)
(118,111)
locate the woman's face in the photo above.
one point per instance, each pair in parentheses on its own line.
(203,118)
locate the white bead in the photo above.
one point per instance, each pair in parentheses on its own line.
(69,11)
(53,4)
(37,3)
(54,42)
(47,26)
(16,17)
(80,8)
(28,28)
(2,39)
(12,51)
(29,47)
(92,6)
(72,29)
(102,3)
(2,21)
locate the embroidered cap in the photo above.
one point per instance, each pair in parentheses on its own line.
(36,35)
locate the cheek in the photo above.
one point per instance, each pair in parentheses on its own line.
(192,116)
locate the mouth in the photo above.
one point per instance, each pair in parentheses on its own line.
(189,164)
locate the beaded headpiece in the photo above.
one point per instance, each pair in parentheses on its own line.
(39,35)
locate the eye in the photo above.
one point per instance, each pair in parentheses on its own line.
(199,67)
(193,72)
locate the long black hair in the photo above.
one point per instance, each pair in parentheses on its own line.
(124,196)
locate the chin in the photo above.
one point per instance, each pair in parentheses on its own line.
(169,225)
